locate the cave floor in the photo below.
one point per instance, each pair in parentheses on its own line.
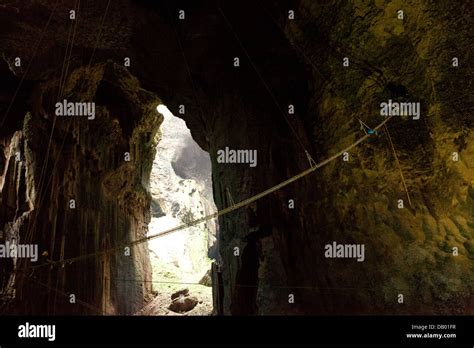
(158,306)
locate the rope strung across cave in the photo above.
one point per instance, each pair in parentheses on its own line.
(35,51)
(188,69)
(332,52)
(227,210)
(67,295)
(41,190)
(254,66)
(99,36)
(398,165)
(211,216)
(61,86)
(272,286)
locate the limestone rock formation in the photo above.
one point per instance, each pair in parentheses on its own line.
(75,193)
(409,251)
(181,183)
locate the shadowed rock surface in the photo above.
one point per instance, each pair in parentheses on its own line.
(409,251)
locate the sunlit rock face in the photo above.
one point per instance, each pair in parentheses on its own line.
(181,186)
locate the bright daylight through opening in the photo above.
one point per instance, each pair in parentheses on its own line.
(181,189)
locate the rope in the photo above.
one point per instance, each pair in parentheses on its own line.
(101,27)
(398,165)
(30,63)
(273,286)
(216,214)
(62,293)
(80,89)
(326,81)
(264,83)
(229,196)
(64,70)
(188,70)
(82,303)
(311,161)
(76,20)
(62,84)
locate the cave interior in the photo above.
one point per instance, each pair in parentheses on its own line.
(290,80)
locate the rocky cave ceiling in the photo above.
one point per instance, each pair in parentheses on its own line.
(190,62)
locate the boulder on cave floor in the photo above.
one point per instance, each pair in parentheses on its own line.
(183,304)
(183,292)
(160,305)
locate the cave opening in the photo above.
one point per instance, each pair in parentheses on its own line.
(181,191)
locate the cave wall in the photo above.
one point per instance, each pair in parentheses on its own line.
(85,161)
(408,251)
(299,62)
